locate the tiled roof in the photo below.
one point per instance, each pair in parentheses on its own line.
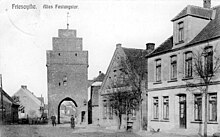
(212,30)
(194,11)
(165,46)
(100,78)
(6,95)
(135,57)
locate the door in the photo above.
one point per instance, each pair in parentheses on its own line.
(182,111)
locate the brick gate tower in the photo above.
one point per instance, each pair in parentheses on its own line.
(67,74)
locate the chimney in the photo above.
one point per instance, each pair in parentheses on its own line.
(118,45)
(24,86)
(207,4)
(150,46)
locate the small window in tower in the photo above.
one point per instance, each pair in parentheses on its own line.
(59,54)
(65,80)
(75,54)
(59,83)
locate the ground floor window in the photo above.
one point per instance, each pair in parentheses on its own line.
(104,109)
(110,112)
(212,107)
(155,108)
(198,107)
(165,107)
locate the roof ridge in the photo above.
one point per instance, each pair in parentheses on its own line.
(199,7)
(132,48)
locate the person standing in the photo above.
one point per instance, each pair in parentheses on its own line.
(53,118)
(72,120)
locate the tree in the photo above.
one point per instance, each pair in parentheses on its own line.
(206,65)
(126,87)
(17,100)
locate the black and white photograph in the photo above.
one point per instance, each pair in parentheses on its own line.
(109,68)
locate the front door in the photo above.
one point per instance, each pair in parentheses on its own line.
(182,111)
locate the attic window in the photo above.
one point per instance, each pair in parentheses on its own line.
(75,54)
(58,54)
(115,70)
(180,32)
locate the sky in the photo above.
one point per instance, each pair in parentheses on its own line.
(25,35)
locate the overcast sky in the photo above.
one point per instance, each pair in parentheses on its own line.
(25,35)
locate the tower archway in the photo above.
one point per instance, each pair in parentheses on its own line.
(62,112)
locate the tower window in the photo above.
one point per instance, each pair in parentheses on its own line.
(65,80)
(58,54)
(75,54)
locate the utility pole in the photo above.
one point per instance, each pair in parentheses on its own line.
(2,97)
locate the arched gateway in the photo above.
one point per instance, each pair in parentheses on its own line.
(59,108)
(67,73)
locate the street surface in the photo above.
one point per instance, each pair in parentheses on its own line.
(59,131)
(64,130)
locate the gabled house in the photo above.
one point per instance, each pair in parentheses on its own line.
(172,105)
(125,62)
(32,106)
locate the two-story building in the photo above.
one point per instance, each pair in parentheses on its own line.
(172,105)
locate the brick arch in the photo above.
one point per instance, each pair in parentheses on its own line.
(65,99)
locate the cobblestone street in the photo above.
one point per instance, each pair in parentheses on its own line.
(66,131)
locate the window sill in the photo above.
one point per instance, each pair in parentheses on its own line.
(187,78)
(165,120)
(156,120)
(180,42)
(172,80)
(212,122)
(158,82)
(201,122)
(196,122)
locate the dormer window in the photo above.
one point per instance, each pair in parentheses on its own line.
(180,32)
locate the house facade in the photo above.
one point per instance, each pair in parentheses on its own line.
(31,104)
(93,104)
(173,106)
(124,75)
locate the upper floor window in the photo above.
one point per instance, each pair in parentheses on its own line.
(158,70)
(65,80)
(208,58)
(188,64)
(180,31)
(173,67)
